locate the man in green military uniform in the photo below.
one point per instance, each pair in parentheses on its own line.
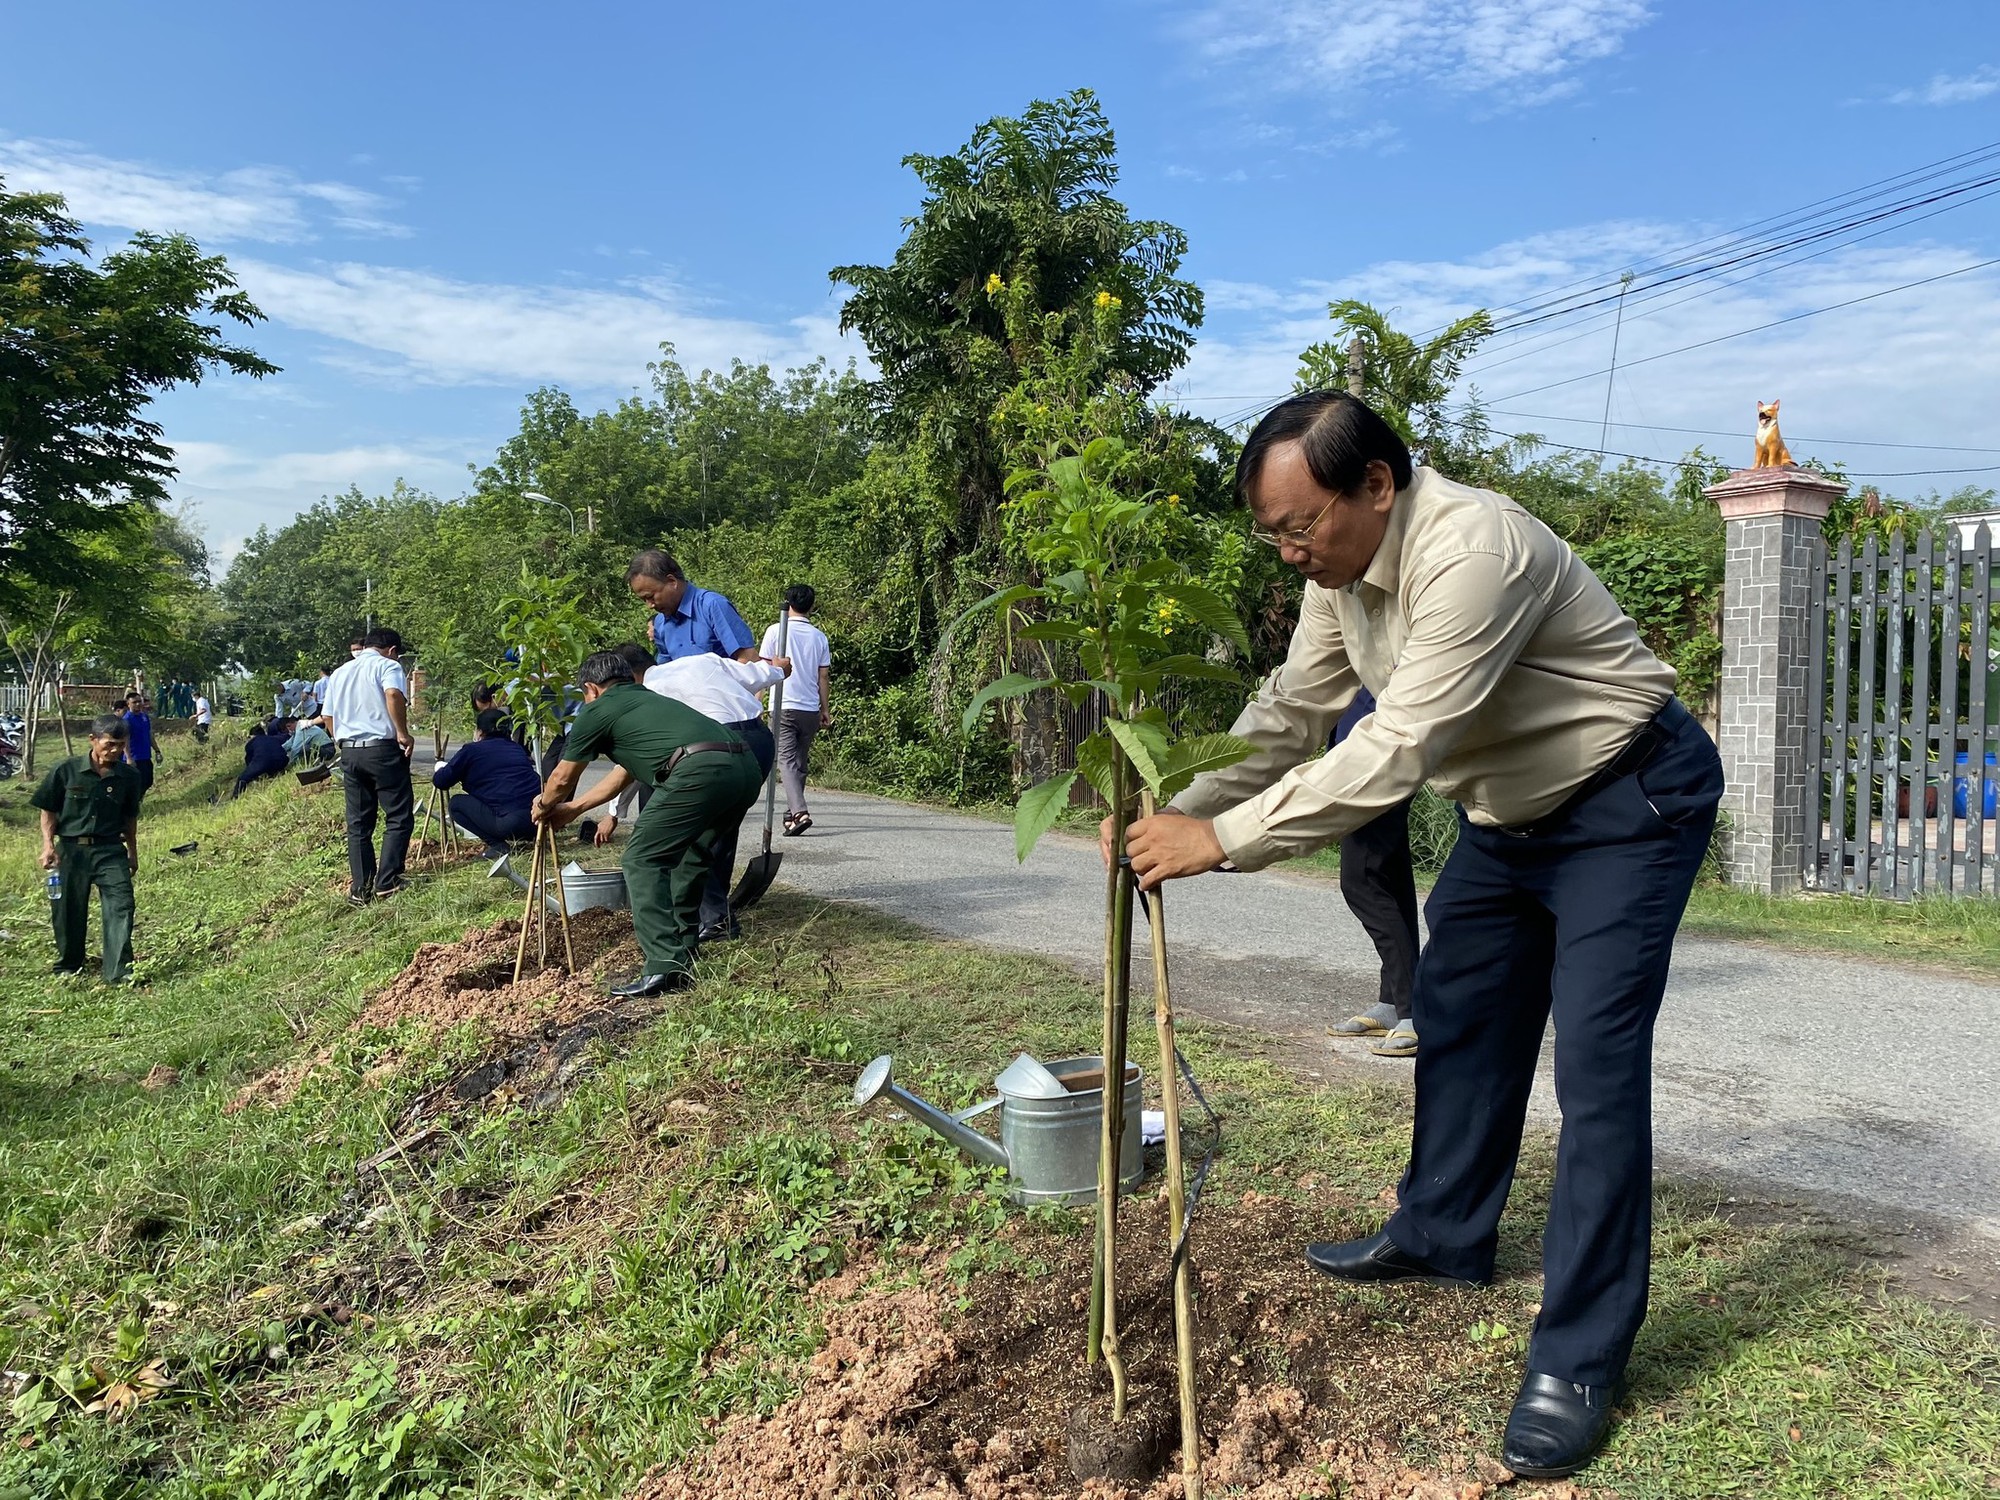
(704,779)
(90,837)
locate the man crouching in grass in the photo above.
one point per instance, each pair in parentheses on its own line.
(90,837)
(704,779)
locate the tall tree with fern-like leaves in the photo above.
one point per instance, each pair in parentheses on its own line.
(1407,380)
(1027,200)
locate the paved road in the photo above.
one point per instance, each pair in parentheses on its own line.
(1837,1078)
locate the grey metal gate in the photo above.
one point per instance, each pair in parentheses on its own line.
(1907,755)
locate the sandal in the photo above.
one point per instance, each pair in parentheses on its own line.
(797,823)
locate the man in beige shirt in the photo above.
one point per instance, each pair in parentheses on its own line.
(1506,677)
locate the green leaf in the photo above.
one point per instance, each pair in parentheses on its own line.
(1001,599)
(1145,744)
(1055,630)
(1196,756)
(1211,610)
(1036,813)
(1187,665)
(1013,685)
(1093,763)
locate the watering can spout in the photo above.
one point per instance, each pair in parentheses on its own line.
(875,1082)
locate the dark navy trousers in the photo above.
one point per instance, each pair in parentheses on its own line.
(1573,917)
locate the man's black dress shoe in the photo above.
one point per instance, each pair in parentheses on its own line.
(648,985)
(1556,1426)
(1376,1258)
(718,932)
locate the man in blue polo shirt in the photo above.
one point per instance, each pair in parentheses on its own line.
(139,739)
(500,786)
(687,621)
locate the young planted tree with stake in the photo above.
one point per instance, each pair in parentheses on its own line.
(1110,615)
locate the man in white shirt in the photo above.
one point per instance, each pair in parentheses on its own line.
(808,698)
(367,712)
(203,717)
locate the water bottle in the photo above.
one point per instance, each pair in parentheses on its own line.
(55,885)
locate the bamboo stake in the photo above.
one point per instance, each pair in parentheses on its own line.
(528,910)
(562,906)
(423,830)
(1117,976)
(1184,1337)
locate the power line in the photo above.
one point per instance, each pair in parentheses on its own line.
(1535,416)
(1759,328)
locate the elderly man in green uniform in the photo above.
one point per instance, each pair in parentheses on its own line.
(704,779)
(90,837)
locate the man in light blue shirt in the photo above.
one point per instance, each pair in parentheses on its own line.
(367,712)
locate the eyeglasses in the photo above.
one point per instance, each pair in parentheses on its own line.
(1300,540)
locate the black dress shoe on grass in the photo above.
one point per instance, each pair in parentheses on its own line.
(717,932)
(648,985)
(1556,1426)
(1376,1258)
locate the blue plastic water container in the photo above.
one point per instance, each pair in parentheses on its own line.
(1989,801)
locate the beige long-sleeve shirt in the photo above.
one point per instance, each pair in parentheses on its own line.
(1504,674)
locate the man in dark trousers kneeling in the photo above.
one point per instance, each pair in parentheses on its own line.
(1507,677)
(497,805)
(704,779)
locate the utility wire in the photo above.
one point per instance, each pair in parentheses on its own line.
(1759,328)
(1536,416)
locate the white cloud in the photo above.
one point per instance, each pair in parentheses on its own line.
(1896,369)
(417,325)
(266,204)
(1944,89)
(235,490)
(1520,48)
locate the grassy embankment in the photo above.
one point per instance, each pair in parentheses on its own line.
(552,1295)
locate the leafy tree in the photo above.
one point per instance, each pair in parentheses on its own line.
(1405,380)
(84,348)
(1028,203)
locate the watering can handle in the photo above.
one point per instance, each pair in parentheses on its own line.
(979,1109)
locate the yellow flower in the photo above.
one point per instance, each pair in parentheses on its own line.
(1105,299)
(1173,502)
(995,284)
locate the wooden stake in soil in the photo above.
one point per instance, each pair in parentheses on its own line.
(562,906)
(1170,1099)
(528,910)
(1117,978)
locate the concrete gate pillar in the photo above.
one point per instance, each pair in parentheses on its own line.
(1772,518)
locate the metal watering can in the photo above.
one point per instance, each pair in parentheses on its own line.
(584,889)
(1050,1118)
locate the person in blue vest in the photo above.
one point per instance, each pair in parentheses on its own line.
(139,739)
(690,621)
(500,785)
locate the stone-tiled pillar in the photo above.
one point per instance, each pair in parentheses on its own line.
(1772,517)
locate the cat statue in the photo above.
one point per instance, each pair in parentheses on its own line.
(1771,450)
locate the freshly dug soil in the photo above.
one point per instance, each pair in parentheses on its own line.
(446,984)
(1306,1389)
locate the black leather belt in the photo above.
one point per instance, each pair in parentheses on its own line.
(702,747)
(362,742)
(1636,756)
(89,839)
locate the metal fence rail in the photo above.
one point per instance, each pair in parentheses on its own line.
(1905,675)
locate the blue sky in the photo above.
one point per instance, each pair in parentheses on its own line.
(441,207)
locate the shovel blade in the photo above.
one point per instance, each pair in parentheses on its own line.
(756,879)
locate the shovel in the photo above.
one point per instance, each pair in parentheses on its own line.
(761,871)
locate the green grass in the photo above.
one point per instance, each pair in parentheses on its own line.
(552,1302)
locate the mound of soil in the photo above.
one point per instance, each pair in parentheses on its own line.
(1305,1391)
(446,984)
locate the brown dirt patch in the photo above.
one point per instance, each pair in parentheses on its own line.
(1306,1389)
(448,984)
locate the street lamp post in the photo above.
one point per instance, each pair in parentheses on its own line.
(540,498)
